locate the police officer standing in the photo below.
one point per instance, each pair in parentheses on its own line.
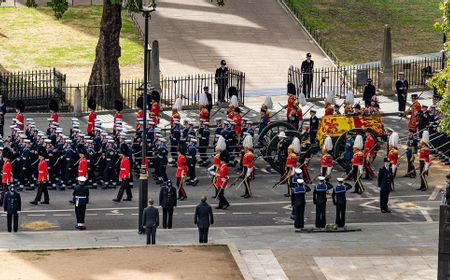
(369,92)
(385,185)
(307,71)
(80,199)
(401,87)
(340,200)
(313,126)
(167,200)
(299,189)
(12,206)
(221,80)
(320,200)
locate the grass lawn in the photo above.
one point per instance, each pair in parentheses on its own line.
(34,39)
(353,29)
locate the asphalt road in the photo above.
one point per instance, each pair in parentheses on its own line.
(267,207)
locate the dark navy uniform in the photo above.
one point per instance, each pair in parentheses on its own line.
(385,185)
(203,144)
(12,206)
(348,154)
(191,161)
(313,128)
(80,199)
(320,200)
(299,201)
(161,161)
(340,200)
(175,136)
(411,151)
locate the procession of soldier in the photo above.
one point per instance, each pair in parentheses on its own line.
(82,158)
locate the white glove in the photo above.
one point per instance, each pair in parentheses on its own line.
(394,167)
(427,166)
(249,172)
(211,168)
(212,173)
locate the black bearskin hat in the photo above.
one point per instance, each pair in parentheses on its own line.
(224,156)
(7,153)
(182,148)
(291,88)
(81,149)
(42,151)
(118,105)
(232,91)
(53,105)
(92,104)
(237,110)
(156,96)
(140,102)
(124,149)
(20,105)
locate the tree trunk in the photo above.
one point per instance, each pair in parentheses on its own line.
(104,83)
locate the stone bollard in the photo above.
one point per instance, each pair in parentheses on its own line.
(154,67)
(77,103)
(386,73)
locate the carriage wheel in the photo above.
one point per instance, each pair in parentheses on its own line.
(339,145)
(269,132)
(271,151)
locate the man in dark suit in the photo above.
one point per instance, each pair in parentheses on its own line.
(385,185)
(402,86)
(369,92)
(307,69)
(150,221)
(12,206)
(168,200)
(210,101)
(203,218)
(221,80)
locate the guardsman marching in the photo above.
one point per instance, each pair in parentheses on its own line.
(92,104)
(20,119)
(247,163)
(54,108)
(140,113)
(82,162)
(369,155)
(118,105)
(340,201)
(222,182)
(7,175)
(291,164)
(299,189)
(326,162)
(320,200)
(411,151)
(42,178)
(182,169)
(358,163)
(424,159)
(80,200)
(385,185)
(124,176)
(221,147)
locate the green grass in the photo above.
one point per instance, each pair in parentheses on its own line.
(353,29)
(33,38)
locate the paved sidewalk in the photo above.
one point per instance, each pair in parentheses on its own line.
(380,251)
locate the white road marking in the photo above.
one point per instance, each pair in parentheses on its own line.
(36,215)
(62,215)
(189,213)
(134,214)
(91,214)
(435,193)
(241,213)
(267,213)
(426,215)
(114,214)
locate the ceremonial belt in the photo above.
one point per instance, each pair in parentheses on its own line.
(78,197)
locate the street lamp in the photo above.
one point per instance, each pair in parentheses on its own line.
(143,177)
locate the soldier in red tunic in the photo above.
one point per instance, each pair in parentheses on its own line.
(424,160)
(247,164)
(20,119)
(181,174)
(292,93)
(54,108)
(92,117)
(222,182)
(83,162)
(7,177)
(118,105)
(140,113)
(326,162)
(291,164)
(42,178)
(369,155)
(124,175)
(414,111)
(358,162)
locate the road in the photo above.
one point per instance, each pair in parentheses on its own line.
(267,207)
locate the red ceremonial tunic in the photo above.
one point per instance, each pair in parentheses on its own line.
(238,121)
(216,160)
(140,115)
(55,117)
(222,179)
(175,116)
(291,160)
(156,109)
(204,115)
(300,114)
(91,122)
(43,171)
(393,155)
(247,161)
(7,173)
(369,147)
(290,105)
(326,160)
(82,168)
(358,158)
(230,115)
(117,116)
(415,108)
(181,166)
(424,154)
(21,119)
(329,110)
(124,168)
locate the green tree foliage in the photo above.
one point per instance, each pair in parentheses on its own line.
(440,80)
(59,7)
(31,4)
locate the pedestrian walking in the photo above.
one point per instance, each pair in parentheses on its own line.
(150,221)
(385,185)
(203,218)
(12,206)
(167,200)
(42,178)
(80,199)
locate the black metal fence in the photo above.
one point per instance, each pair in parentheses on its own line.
(313,32)
(35,88)
(342,80)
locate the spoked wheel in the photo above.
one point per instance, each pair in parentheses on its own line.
(271,150)
(339,144)
(269,132)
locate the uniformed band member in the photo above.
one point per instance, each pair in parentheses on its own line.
(124,176)
(411,152)
(299,190)
(369,155)
(222,182)
(320,200)
(247,163)
(42,178)
(340,200)
(401,87)
(92,105)
(80,200)
(326,162)
(424,160)
(307,69)
(358,162)
(385,185)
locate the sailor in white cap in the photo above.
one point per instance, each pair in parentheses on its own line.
(81,199)
(282,154)
(340,200)
(320,200)
(299,189)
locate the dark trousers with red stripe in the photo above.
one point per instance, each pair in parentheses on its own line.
(124,187)
(42,189)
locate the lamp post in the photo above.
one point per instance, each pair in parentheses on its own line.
(143,177)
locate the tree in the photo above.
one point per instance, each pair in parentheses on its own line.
(440,79)
(104,82)
(59,7)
